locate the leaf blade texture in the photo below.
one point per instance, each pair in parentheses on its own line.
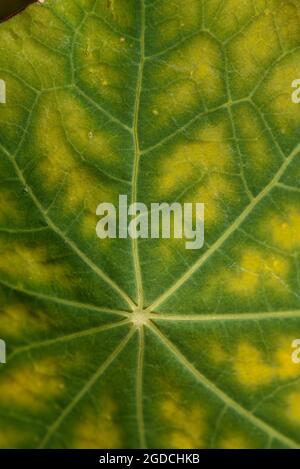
(142,343)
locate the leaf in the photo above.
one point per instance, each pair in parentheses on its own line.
(122,343)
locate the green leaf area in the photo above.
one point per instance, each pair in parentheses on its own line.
(143,343)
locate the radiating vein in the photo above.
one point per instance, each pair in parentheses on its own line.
(231,403)
(97,270)
(137,155)
(257,316)
(66,338)
(62,301)
(139,388)
(84,390)
(232,228)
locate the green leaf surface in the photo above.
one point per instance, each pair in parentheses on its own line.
(142,343)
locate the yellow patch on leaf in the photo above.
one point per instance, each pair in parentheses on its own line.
(17,319)
(61,166)
(253,368)
(252,51)
(186,80)
(183,17)
(11,437)
(234,441)
(9,209)
(250,367)
(254,267)
(209,152)
(30,386)
(187,424)
(292,411)
(98,429)
(285,114)
(284,228)
(32,263)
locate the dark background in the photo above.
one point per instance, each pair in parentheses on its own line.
(9,8)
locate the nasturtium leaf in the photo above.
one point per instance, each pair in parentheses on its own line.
(143,343)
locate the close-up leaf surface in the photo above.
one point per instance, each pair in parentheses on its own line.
(129,343)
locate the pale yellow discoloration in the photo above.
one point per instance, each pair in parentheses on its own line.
(209,152)
(190,73)
(285,367)
(32,263)
(286,18)
(105,80)
(218,354)
(71,11)
(99,53)
(259,154)
(119,13)
(204,73)
(62,165)
(57,32)
(83,189)
(9,209)
(17,319)
(163,249)
(97,40)
(181,17)
(69,134)
(250,366)
(256,266)
(284,228)
(284,113)
(187,424)
(41,66)
(234,441)
(175,100)
(98,429)
(210,10)
(31,386)
(91,195)
(233,14)
(13,111)
(254,367)
(253,51)
(215,190)
(80,129)
(292,411)
(58,159)
(11,436)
